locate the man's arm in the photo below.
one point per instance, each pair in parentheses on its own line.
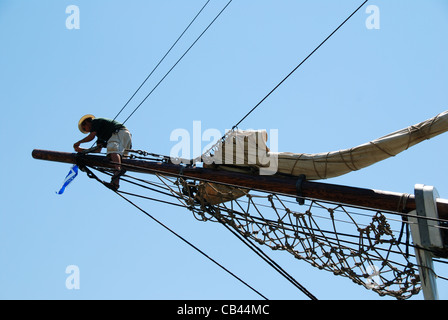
(89,138)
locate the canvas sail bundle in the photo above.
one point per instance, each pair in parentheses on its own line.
(247,150)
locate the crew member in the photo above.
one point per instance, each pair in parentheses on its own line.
(110,134)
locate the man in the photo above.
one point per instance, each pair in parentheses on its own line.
(111,134)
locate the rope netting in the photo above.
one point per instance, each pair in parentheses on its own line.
(360,244)
(367,246)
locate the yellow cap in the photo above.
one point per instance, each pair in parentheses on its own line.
(87,116)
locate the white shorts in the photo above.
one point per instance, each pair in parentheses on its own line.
(119,142)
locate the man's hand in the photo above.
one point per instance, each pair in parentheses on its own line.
(77,148)
(89,138)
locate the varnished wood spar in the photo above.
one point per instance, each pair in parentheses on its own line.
(375,199)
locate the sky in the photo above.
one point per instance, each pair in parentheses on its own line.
(360,85)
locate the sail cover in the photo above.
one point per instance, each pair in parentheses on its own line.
(247,150)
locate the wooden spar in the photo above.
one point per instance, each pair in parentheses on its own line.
(374,199)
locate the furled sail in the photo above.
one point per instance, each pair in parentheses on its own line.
(247,150)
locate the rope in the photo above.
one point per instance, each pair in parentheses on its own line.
(163,58)
(160,172)
(90,174)
(298,66)
(284,79)
(246,241)
(193,246)
(302,235)
(169,71)
(269,261)
(306,239)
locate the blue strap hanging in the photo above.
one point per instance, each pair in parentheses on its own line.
(69,178)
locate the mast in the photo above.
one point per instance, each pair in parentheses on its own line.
(370,198)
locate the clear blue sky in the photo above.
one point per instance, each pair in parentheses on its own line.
(362,84)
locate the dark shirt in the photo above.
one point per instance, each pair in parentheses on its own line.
(104,129)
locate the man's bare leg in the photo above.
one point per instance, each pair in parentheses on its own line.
(116,159)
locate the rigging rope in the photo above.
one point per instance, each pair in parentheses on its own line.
(165,159)
(399,277)
(285,78)
(324,246)
(193,246)
(247,242)
(163,58)
(326,240)
(177,62)
(269,261)
(298,66)
(91,175)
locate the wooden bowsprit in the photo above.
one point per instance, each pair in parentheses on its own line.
(368,198)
